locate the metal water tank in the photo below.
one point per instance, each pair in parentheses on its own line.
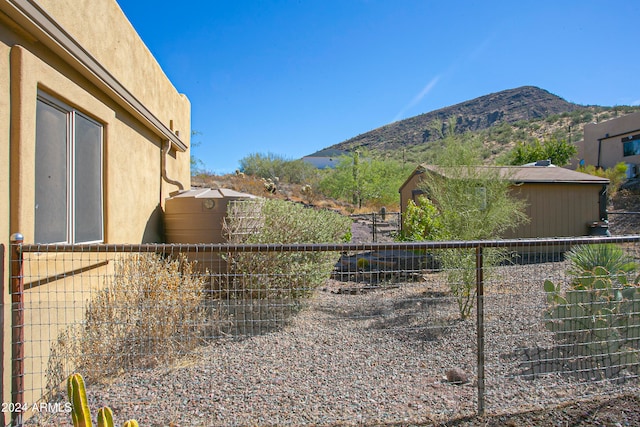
(197,216)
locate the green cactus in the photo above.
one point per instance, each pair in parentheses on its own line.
(105,417)
(80,413)
(78,398)
(598,314)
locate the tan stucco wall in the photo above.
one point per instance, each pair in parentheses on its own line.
(5,312)
(134,190)
(610,133)
(406,191)
(121,51)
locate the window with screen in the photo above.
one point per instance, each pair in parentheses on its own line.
(68,175)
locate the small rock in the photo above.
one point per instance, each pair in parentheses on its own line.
(457,376)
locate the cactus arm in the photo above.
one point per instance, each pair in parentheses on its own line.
(78,398)
(105,417)
(130,423)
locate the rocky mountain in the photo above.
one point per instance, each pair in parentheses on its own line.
(521,104)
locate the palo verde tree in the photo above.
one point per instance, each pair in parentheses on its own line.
(467,201)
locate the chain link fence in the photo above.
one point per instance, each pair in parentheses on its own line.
(368,334)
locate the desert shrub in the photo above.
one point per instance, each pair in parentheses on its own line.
(362,264)
(282,275)
(597,319)
(556,149)
(420,221)
(459,266)
(151,311)
(270,166)
(616,175)
(364,180)
(583,259)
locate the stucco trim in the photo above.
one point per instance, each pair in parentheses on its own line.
(49,33)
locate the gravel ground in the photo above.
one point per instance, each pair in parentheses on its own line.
(372,356)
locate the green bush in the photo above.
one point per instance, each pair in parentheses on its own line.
(556,149)
(467,202)
(361,179)
(272,166)
(282,275)
(583,259)
(420,221)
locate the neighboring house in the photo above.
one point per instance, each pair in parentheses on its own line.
(322,162)
(94,135)
(560,202)
(329,158)
(613,141)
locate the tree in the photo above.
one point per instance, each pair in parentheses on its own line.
(361,179)
(270,166)
(472,202)
(558,151)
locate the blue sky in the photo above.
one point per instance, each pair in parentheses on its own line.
(291,77)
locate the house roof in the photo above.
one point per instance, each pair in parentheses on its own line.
(522,174)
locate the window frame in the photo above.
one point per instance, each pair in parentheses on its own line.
(70,168)
(631,145)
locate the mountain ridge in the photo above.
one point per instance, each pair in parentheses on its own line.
(510,106)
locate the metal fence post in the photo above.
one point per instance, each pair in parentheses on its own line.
(480,327)
(4,330)
(373,221)
(17,329)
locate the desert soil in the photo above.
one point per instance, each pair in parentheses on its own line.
(619,411)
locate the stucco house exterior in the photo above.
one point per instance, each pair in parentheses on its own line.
(560,202)
(94,135)
(613,141)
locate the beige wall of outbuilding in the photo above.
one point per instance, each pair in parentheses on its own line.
(557,210)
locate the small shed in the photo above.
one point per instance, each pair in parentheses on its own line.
(560,202)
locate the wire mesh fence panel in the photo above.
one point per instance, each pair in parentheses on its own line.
(318,334)
(562,326)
